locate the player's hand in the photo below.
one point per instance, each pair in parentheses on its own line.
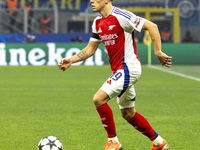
(64,64)
(164,59)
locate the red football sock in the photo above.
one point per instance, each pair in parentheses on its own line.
(142,125)
(107,119)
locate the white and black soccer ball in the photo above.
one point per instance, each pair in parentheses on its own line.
(50,143)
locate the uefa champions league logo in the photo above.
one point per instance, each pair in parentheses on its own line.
(187,9)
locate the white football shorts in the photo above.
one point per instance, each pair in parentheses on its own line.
(121,86)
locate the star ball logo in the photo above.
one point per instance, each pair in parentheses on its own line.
(187,9)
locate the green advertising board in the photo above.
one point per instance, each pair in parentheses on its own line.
(182,54)
(52,53)
(47,54)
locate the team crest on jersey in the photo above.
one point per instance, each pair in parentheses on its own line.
(99,31)
(111,27)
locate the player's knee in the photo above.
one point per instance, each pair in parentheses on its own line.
(97,101)
(100,98)
(128,113)
(127,116)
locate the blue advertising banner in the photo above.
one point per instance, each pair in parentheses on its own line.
(44,38)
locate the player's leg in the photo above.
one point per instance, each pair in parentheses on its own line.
(100,100)
(127,106)
(139,122)
(143,126)
(110,89)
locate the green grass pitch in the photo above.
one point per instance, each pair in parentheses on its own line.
(40,101)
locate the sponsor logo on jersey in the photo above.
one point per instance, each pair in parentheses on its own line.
(108,37)
(137,22)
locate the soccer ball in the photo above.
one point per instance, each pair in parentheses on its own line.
(50,143)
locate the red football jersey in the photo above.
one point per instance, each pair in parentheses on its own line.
(117,33)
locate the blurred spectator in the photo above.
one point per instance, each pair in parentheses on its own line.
(3,4)
(45,24)
(12,6)
(187,38)
(165,35)
(27,8)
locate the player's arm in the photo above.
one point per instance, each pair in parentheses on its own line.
(85,53)
(156,40)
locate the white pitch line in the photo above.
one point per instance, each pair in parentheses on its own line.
(174,73)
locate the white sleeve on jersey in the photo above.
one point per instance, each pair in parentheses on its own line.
(94,26)
(129,21)
(137,22)
(94,38)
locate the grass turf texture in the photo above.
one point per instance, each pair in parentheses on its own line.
(40,101)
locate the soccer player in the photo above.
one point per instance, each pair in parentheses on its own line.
(115,28)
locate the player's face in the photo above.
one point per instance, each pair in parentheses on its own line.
(97,5)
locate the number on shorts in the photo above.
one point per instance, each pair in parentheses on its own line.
(116,76)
